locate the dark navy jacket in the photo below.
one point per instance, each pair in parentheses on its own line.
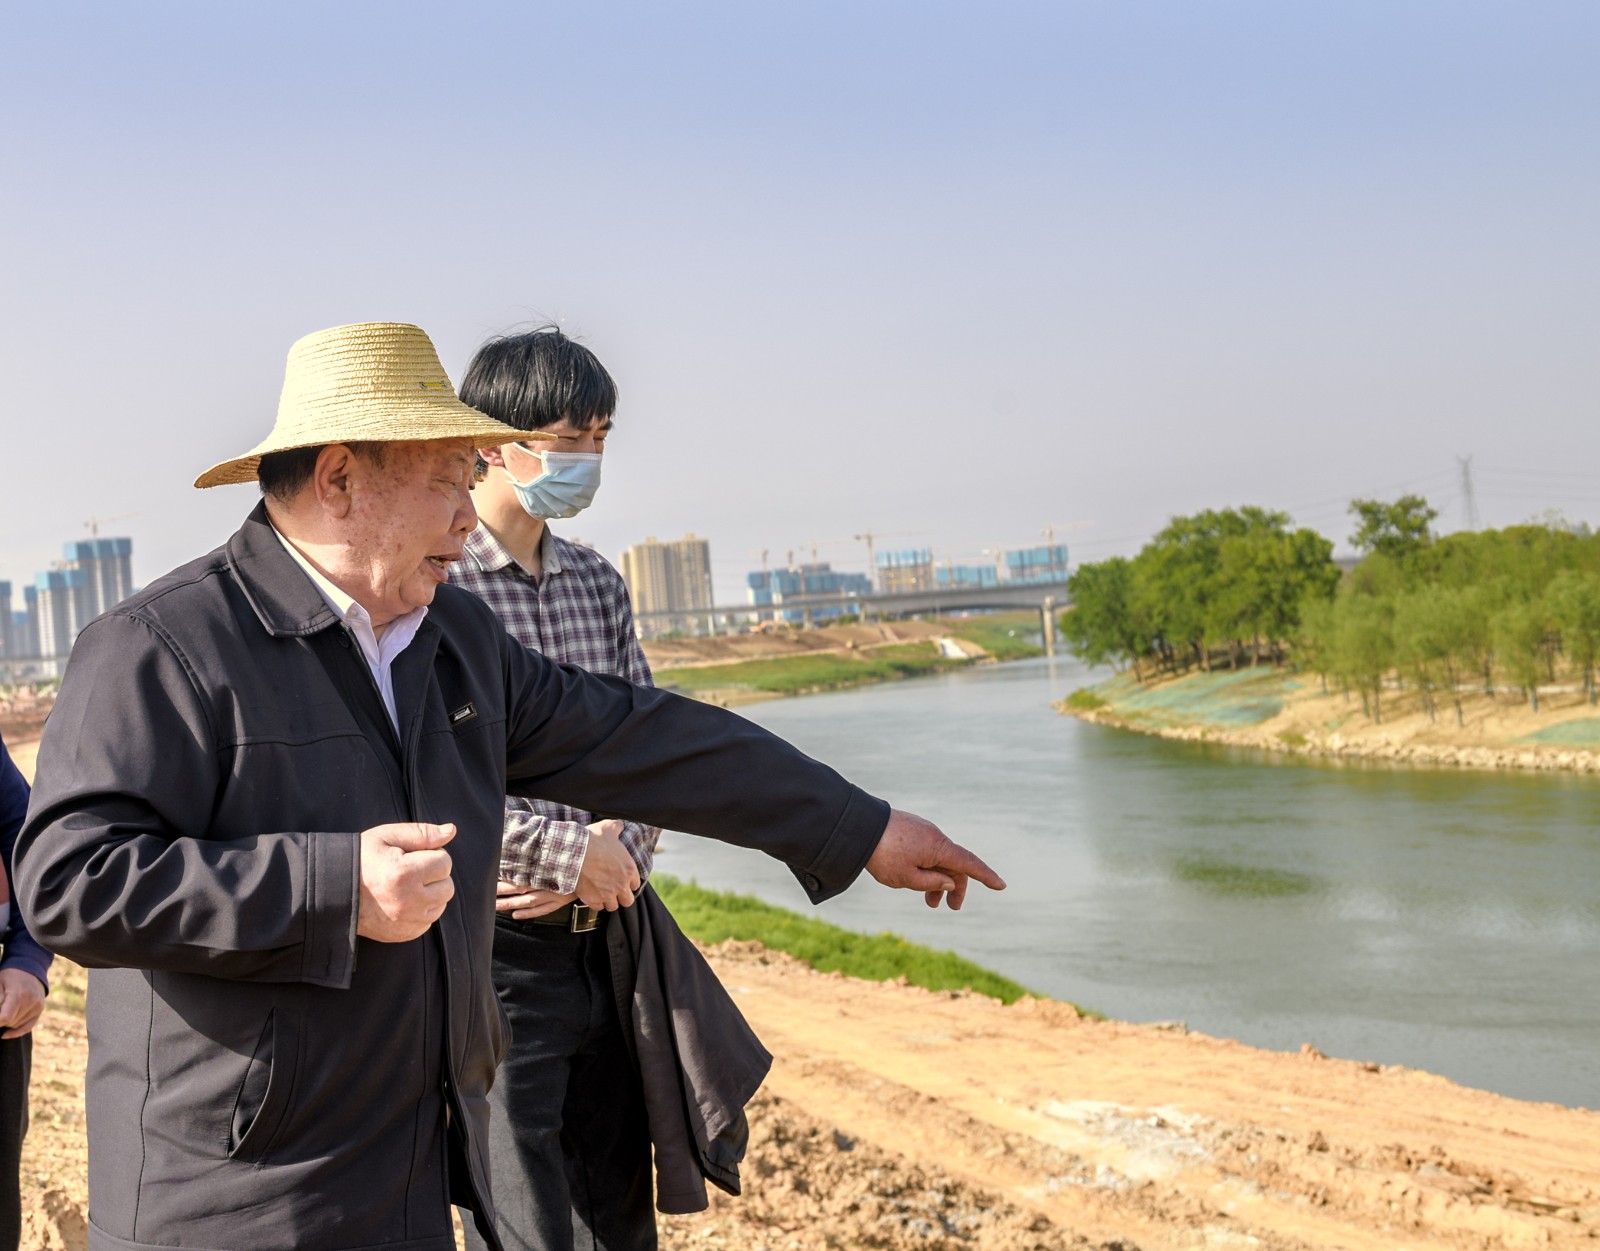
(260,1077)
(21,951)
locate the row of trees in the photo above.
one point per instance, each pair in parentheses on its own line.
(1441,615)
(1222,584)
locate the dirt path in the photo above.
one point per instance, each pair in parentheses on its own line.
(1030,1127)
(898,1118)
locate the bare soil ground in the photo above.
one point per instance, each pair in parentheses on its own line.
(898,1118)
(731,648)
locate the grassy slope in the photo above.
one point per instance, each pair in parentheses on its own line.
(826,671)
(1002,635)
(716,916)
(1279,709)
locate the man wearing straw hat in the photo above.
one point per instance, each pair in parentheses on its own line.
(267,814)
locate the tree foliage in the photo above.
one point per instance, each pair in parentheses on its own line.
(1434,616)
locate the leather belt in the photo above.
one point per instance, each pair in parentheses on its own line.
(576,917)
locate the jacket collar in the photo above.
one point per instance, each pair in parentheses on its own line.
(278,590)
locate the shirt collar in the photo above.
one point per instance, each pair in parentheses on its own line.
(490,555)
(403,628)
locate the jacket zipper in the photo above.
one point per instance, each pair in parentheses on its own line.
(413,773)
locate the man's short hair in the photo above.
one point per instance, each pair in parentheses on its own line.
(283,474)
(536,378)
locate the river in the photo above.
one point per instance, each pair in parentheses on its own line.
(1441,920)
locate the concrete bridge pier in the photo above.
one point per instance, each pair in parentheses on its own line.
(1047,614)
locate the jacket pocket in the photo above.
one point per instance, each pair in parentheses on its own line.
(265,1091)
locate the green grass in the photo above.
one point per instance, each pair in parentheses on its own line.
(716,916)
(1004,635)
(1084,700)
(790,675)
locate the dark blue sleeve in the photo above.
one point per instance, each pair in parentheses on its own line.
(21,952)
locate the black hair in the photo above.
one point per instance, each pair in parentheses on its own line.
(282,474)
(538,377)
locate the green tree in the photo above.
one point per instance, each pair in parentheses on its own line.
(1520,634)
(1574,605)
(1396,531)
(1364,647)
(1315,642)
(1105,626)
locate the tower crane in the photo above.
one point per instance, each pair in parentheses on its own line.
(94,523)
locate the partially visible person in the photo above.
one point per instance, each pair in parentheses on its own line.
(569,1142)
(23,969)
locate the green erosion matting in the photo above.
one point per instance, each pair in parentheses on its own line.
(1584,732)
(1243,697)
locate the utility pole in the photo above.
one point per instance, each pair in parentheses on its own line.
(1469,497)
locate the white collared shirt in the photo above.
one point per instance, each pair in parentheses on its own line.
(379,653)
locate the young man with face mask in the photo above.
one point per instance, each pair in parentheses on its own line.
(569,1144)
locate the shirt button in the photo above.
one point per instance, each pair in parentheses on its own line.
(812,883)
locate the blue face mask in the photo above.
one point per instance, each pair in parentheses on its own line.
(564,489)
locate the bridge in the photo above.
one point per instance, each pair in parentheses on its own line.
(1045,598)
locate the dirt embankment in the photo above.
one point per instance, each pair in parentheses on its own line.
(897,1118)
(1275,711)
(724,649)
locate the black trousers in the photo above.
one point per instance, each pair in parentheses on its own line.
(16,1065)
(569,1146)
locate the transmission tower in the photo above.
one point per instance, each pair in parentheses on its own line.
(1469,497)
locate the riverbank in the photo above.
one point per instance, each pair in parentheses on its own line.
(896,1118)
(741,669)
(1290,713)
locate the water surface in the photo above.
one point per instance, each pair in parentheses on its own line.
(1440,919)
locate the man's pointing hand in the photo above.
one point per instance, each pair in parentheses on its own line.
(405,880)
(915,855)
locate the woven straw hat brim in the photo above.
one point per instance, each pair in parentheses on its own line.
(378,382)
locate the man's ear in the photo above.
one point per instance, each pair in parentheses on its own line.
(492,456)
(330,480)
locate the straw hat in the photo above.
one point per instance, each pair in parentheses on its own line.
(376,382)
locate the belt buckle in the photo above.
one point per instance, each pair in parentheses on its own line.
(584,918)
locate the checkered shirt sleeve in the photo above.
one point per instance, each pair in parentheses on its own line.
(580,615)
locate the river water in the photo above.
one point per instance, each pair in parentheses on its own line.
(1438,919)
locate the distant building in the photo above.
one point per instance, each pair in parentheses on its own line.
(26,623)
(1038,564)
(59,611)
(771,587)
(672,577)
(107,568)
(96,575)
(966,577)
(900,573)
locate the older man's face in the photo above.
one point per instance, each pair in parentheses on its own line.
(407,519)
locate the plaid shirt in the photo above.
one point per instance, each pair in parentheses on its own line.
(577,611)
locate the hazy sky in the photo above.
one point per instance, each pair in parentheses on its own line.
(953,273)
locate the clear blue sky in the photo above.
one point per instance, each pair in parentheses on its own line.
(950,272)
